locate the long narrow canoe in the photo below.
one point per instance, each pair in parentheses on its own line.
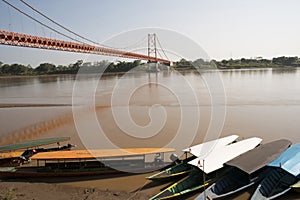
(247,169)
(33,143)
(296,186)
(10,157)
(183,168)
(285,173)
(197,180)
(217,158)
(99,153)
(205,148)
(89,162)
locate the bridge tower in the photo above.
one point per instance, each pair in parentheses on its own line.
(152,45)
(152,50)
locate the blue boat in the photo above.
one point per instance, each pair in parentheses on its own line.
(285,172)
(247,170)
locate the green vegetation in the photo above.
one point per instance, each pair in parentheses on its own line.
(239,63)
(48,68)
(198,64)
(259,63)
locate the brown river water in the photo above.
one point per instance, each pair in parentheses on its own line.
(164,109)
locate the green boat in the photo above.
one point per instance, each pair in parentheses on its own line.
(20,153)
(176,171)
(207,170)
(192,183)
(183,168)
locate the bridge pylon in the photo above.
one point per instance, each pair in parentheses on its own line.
(152,50)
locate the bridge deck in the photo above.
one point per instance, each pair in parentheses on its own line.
(25,40)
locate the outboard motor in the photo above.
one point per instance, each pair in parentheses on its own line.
(174,158)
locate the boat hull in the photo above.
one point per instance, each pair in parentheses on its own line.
(174,172)
(190,184)
(40,172)
(296,187)
(275,184)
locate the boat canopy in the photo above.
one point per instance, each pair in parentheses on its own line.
(259,157)
(289,160)
(216,158)
(33,143)
(204,148)
(100,153)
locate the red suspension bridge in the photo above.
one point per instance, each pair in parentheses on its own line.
(25,40)
(31,41)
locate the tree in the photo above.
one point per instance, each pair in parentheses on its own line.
(288,61)
(45,68)
(199,63)
(183,64)
(14,69)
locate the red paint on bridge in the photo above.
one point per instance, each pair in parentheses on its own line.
(30,41)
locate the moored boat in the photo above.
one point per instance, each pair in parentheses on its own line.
(20,153)
(89,162)
(247,170)
(208,169)
(183,168)
(296,186)
(284,173)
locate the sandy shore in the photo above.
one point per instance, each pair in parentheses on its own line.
(21,190)
(126,186)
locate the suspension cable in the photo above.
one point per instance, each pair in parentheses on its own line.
(162,48)
(41,22)
(134,44)
(60,25)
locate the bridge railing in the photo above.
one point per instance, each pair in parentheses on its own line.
(25,40)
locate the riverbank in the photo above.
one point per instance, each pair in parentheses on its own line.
(140,72)
(38,191)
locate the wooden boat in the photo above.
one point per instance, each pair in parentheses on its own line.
(201,150)
(171,173)
(247,170)
(296,186)
(207,169)
(89,162)
(284,173)
(183,168)
(10,157)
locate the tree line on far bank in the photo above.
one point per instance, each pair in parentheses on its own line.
(258,62)
(48,68)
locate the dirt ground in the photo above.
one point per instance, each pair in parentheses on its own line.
(40,191)
(111,187)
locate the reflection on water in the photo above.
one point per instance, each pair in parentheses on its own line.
(260,102)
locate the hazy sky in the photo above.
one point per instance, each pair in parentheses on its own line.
(224,28)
